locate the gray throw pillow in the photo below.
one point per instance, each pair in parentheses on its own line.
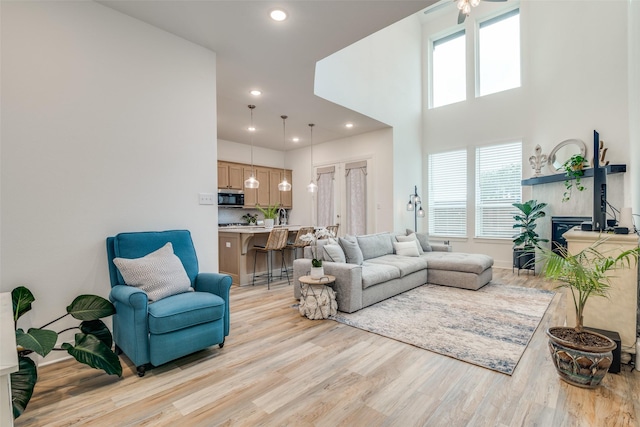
(352,251)
(423,238)
(334,253)
(375,245)
(160,274)
(411,238)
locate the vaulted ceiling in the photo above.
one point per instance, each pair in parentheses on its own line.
(255,52)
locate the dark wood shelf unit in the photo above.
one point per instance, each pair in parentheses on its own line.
(611,169)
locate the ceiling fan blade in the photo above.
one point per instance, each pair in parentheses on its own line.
(494,1)
(461,17)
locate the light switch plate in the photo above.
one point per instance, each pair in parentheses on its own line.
(206,199)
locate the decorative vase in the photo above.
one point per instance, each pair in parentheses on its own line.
(268,223)
(577,364)
(316,272)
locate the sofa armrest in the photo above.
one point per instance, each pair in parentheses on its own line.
(441,248)
(348,284)
(217,284)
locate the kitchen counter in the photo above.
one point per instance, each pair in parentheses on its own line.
(236,254)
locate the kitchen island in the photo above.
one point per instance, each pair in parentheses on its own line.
(236,254)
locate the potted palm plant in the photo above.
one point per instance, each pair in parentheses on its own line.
(527,240)
(270,213)
(573,170)
(582,357)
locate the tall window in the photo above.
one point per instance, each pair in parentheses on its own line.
(499,53)
(356,183)
(325,179)
(448,193)
(448,70)
(498,176)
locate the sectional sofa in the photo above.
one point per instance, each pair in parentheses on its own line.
(373,267)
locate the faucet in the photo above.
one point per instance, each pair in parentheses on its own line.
(282,216)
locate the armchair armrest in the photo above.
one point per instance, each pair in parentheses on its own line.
(129,296)
(130,324)
(217,284)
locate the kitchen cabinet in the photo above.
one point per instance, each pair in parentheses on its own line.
(230,175)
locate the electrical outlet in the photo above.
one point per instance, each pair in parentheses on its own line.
(227,244)
(206,198)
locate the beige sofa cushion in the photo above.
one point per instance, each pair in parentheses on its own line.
(405,265)
(373,274)
(456,261)
(375,245)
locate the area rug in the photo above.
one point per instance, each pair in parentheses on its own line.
(490,327)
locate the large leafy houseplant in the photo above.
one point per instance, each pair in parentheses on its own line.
(92,343)
(527,239)
(584,274)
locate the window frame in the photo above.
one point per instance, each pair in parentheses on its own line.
(434,40)
(480,205)
(431,204)
(485,21)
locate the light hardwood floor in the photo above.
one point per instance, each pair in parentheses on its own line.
(280,369)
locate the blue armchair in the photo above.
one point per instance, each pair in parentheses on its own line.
(172,327)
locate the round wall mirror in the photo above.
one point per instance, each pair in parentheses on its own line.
(563,152)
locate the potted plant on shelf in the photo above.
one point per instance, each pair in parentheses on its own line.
(527,240)
(582,357)
(92,342)
(317,271)
(270,213)
(574,170)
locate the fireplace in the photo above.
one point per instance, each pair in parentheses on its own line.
(562,224)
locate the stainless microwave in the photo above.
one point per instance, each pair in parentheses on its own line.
(230,198)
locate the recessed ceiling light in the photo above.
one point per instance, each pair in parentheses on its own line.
(278,15)
(251,129)
(295,139)
(349,125)
(256,92)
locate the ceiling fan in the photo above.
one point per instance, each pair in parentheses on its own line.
(465,7)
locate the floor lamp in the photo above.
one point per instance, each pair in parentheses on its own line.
(415,205)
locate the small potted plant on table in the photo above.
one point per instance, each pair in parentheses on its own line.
(527,240)
(582,357)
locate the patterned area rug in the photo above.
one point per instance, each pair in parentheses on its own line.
(490,327)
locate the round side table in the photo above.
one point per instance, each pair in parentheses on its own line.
(317,298)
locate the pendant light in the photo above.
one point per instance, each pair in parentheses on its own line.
(312,187)
(252,182)
(284,185)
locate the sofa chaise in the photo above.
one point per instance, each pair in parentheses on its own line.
(374,267)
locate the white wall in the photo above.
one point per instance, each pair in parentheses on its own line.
(375,147)
(380,76)
(241,153)
(108,125)
(574,80)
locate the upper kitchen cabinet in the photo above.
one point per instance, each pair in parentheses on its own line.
(277,197)
(230,175)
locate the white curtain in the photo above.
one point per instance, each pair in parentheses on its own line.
(325,196)
(356,183)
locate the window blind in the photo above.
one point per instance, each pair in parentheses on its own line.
(498,176)
(447,206)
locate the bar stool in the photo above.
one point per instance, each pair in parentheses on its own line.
(298,243)
(275,243)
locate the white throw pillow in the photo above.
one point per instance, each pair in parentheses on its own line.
(160,274)
(406,248)
(411,238)
(334,252)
